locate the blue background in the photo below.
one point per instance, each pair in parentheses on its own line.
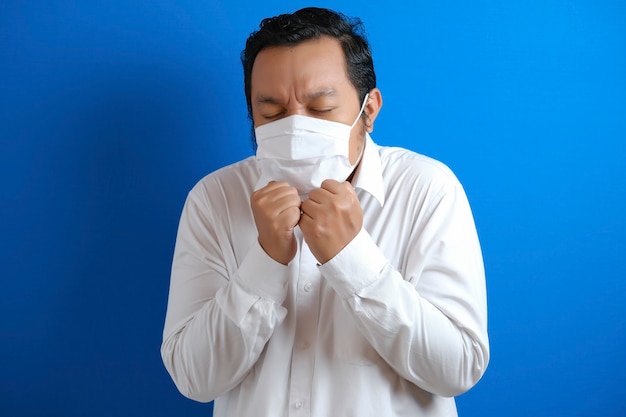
(110,111)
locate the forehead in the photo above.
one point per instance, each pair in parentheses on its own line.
(312,64)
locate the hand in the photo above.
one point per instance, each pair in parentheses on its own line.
(276,211)
(331,217)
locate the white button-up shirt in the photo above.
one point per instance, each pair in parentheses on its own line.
(394,325)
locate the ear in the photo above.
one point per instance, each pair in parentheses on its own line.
(372,107)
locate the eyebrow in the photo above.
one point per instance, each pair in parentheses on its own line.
(329,92)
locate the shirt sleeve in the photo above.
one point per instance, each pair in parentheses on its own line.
(429,322)
(217,321)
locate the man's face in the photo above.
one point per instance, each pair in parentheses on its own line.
(308,79)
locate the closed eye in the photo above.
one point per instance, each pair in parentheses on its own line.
(322,111)
(273,116)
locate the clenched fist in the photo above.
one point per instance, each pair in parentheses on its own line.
(331,217)
(276,210)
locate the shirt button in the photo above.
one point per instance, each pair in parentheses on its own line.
(308,287)
(298,404)
(304,345)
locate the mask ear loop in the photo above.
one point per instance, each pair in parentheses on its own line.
(360,111)
(362,147)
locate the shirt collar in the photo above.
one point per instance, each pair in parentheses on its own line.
(369,174)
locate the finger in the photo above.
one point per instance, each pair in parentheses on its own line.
(331,185)
(287,202)
(336,187)
(275,190)
(319,195)
(291,216)
(270,204)
(309,207)
(276,185)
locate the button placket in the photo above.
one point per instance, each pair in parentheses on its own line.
(306,316)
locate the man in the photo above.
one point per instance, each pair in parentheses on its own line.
(326,276)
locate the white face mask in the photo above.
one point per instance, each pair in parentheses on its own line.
(304,151)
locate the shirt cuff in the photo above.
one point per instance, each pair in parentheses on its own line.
(357,266)
(262,275)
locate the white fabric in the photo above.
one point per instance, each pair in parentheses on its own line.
(304,151)
(394,325)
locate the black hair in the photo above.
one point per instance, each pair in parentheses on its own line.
(313,23)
